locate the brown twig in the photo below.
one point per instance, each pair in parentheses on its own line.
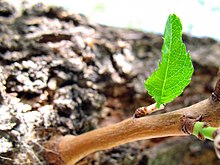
(70,149)
(144,111)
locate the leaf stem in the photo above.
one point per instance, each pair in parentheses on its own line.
(201,130)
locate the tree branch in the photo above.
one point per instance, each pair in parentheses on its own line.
(70,149)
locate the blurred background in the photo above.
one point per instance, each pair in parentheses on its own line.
(63,75)
(199,17)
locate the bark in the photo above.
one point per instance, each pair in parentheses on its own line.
(61,74)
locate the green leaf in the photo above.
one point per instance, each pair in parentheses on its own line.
(175,69)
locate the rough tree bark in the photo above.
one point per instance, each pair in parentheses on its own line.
(61,74)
